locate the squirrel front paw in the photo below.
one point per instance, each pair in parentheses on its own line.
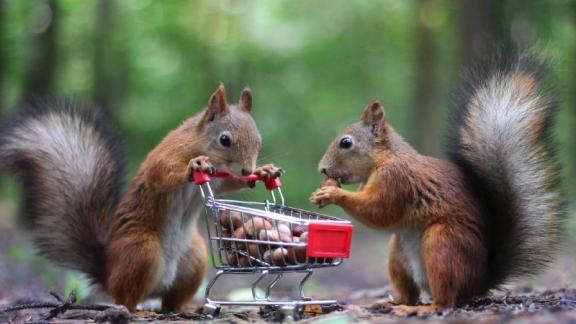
(269,171)
(200,163)
(265,172)
(325,196)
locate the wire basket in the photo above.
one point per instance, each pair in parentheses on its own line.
(269,239)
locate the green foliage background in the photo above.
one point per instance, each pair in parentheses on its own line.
(312,65)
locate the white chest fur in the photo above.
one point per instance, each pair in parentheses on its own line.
(410,240)
(184,207)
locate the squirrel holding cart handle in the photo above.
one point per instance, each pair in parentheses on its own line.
(144,242)
(465,225)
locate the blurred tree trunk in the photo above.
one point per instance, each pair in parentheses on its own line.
(572,142)
(476,28)
(425,109)
(107,73)
(41,68)
(572,109)
(3,73)
(484,28)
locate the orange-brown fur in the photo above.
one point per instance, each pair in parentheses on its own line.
(190,275)
(463,226)
(134,253)
(440,207)
(398,266)
(134,250)
(406,190)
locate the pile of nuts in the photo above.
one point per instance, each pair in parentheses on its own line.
(258,228)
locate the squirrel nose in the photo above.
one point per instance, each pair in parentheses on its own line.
(246,172)
(324,171)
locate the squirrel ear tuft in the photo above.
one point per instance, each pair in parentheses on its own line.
(373,113)
(246,100)
(374,116)
(217,103)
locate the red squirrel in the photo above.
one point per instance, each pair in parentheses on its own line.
(465,225)
(143,242)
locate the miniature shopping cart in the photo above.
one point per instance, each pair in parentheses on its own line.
(269,239)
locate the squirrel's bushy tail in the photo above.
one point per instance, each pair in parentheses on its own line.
(502,140)
(70,163)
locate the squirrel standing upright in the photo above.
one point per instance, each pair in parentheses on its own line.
(143,243)
(468,224)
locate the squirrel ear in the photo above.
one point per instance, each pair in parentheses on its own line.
(217,103)
(246,100)
(374,116)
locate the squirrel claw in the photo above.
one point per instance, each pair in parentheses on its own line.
(201,163)
(144,314)
(421,310)
(269,171)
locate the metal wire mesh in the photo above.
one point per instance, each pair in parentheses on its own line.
(248,236)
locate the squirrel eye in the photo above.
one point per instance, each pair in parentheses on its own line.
(225,140)
(346,142)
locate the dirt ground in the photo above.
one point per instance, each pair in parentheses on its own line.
(557,306)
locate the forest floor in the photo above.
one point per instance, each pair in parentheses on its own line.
(516,307)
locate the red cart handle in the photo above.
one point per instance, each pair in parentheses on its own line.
(201,178)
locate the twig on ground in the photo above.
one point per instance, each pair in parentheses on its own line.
(57,308)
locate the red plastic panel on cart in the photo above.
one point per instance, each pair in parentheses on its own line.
(329,240)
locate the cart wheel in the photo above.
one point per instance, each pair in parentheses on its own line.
(211,310)
(290,312)
(281,313)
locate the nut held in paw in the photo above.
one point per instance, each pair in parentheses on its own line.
(330,182)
